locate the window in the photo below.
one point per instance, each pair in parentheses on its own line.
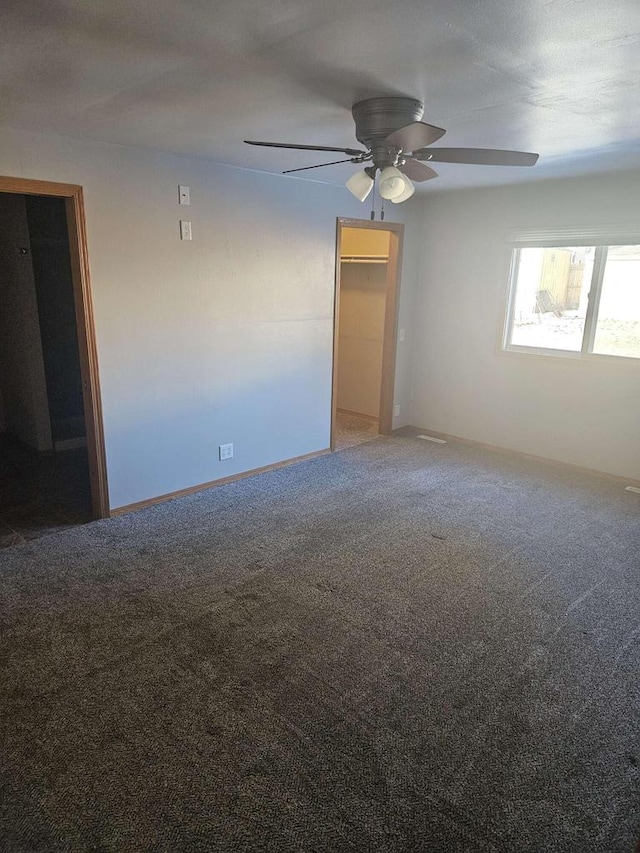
(575,299)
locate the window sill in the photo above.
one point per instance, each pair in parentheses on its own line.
(571,355)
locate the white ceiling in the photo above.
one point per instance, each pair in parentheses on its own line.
(196,77)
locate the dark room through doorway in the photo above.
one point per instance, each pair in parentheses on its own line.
(44,472)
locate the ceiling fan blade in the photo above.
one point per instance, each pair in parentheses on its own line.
(417,171)
(319,166)
(477,156)
(354,152)
(415,135)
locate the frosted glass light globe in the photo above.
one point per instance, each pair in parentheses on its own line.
(360,185)
(392,183)
(409,191)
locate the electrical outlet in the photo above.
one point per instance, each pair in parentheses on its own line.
(401,335)
(185,230)
(396,410)
(225,451)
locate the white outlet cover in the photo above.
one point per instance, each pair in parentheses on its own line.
(225,451)
(183,195)
(185,230)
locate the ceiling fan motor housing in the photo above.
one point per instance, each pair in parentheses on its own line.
(377,118)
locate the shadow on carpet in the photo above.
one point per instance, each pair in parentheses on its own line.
(400,647)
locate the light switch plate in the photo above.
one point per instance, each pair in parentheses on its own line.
(185,230)
(183,195)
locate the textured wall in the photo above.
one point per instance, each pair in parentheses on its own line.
(363,293)
(227,338)
(586,412)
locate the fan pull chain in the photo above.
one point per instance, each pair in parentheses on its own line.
(382,210)
(373,200)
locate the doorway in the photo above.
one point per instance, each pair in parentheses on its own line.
(368,265)
(52,471)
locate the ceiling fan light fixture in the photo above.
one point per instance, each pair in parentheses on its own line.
(360,185)
(408,192)
(392,183)
(391,131)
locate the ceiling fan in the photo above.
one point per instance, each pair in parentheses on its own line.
(397,144)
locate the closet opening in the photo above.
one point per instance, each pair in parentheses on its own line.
(368,262)
(51,448)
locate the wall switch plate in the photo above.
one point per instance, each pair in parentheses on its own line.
(185,230)
(225,451)
(183,195)
(401,335)
(396,410)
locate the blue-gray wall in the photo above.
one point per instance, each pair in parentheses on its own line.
(227,338)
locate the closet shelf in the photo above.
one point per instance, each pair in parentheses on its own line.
(364,259)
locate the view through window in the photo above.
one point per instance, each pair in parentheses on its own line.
(580,299)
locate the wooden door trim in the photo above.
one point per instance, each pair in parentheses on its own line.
(77,232)
(394,269)
(389,345)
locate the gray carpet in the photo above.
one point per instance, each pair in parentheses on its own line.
(351,430)
(399,647)
(40,493)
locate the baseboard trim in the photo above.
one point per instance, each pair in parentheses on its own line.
(629,481)
(223,481)
(358,415)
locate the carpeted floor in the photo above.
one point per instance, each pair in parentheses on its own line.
(399,647)
(40,493)
(354,429)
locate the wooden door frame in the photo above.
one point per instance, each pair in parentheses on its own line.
(394,270)
(77,232)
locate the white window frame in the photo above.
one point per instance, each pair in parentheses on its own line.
(564,238)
